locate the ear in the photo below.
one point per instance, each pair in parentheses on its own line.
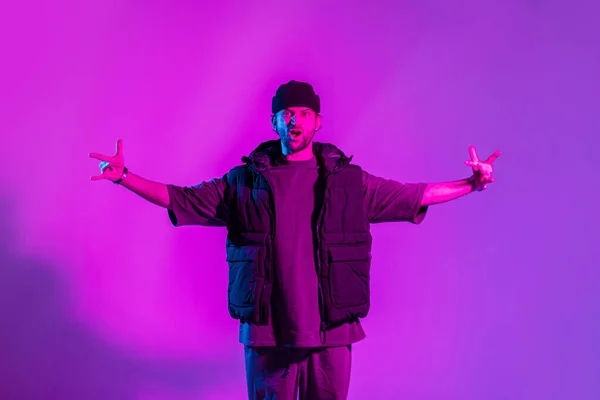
(273,124)
(318,122)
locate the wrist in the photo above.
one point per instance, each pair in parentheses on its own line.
(123,176)
(475,184)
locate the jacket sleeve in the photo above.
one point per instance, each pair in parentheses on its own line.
(386,200)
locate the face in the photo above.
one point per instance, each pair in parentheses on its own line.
(296,127)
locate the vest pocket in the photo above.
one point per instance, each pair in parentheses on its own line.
(242,275)
(349,275)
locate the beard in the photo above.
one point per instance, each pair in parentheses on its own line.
(295,143)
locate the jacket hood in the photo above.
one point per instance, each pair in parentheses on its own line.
(328,155)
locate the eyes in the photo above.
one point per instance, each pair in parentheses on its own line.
(303,113)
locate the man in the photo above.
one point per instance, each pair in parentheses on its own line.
(298,245)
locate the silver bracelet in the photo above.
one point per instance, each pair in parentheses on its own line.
(122,176)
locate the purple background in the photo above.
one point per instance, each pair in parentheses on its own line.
(494,296)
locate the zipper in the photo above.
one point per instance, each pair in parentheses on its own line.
(271,246)
(322,328)
(263,311)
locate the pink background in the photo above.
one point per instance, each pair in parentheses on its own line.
(494,296)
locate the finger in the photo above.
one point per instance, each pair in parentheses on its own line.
(119,147)
(471,163)
(473,154)
(97,177)
(100,157)
(493,157)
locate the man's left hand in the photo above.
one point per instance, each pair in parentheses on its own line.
(482,170)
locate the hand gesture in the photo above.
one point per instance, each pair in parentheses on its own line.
(482,170)
(111,167)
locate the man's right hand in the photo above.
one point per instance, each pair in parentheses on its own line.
(111,167)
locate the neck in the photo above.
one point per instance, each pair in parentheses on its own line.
(302,155)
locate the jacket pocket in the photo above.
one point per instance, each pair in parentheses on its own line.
(349,275)
(242,262)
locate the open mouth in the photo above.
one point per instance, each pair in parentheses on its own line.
(295,132)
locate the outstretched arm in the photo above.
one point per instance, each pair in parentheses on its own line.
(154,192)
(441,192)
(113,169)
(203,204)
(436,193)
